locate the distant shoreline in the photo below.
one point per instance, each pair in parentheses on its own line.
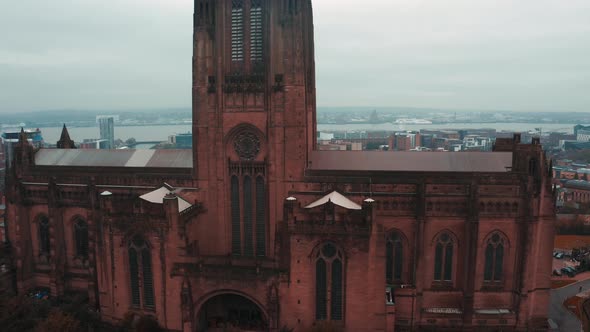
(330,124)
(161,132)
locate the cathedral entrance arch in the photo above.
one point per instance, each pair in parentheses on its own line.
(230,311)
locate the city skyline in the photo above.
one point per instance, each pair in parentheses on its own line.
(525,56)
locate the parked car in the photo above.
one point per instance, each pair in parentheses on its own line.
(555,253)
(556,272)
(559,255)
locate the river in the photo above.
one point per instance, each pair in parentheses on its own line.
(161,133)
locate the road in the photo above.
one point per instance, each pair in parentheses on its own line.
(566,321)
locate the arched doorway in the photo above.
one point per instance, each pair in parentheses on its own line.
(234,311)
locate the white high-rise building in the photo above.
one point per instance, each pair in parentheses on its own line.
(106,124)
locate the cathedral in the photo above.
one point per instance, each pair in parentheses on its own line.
(257,230)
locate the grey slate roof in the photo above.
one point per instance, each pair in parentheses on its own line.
(115,158)
(320,160)
(403,161)
(578,184)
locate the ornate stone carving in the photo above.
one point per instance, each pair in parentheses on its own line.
(247,145)
(242,83)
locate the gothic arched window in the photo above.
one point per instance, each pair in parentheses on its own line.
(248,211)
(256,38)
(140,271)
(494,258)
(44,242)
(329,268)
(236,238)
(260,216)
(237,30)
(81,238)
(443,258)
(394,258)
(248,229)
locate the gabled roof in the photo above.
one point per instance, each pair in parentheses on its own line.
(115,158)
(157,197)
(336,198)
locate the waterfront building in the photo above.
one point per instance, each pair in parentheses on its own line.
(477,143)
(257,229)
(106,124)
(579,127)
(404,141)
(93,143)
(583,135)
(181,141)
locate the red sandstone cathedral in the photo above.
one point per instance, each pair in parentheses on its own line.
(257,230)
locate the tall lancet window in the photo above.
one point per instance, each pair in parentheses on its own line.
(494,261)
(329,278)
(248,220)
(260,217)
(140,273)
(394,258)
(44,242)
(81,238)
(236,237)
(443,258)
(237,30)
(256,31)
(248,215)
(248,196)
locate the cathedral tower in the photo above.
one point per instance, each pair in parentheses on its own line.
(253,112)
(253,65)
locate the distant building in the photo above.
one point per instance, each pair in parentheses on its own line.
(426,140)
(323,136)
(583,135)
(181,141)
(2,217)
(10,139)
(405,141)
(566,145)
(340,145)
(94,143)
(2,157)
(477,143)
(553,139)
(107,129)
(2,169)
(577,191)
(579,127)
(450,134)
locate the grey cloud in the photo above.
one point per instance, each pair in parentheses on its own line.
(485,54)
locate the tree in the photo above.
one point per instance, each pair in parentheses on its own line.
(21,313)
(58,321)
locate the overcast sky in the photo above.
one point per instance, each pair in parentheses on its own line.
(465,54)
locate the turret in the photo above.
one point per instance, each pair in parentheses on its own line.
(64,141)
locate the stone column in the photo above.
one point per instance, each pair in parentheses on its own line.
(419,252)
(470,258)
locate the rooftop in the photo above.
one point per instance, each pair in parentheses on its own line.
(578,184)
(400,161)
(404,161)
(115,158)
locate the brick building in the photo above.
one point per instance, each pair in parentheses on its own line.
(257,229)
(404,141)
